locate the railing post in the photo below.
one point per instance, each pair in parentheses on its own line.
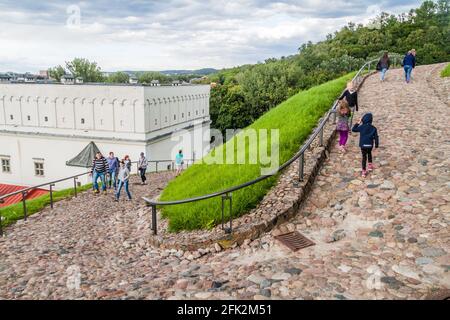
(75,186)
(1,222)
(51,195)
(301,166)
(231,213)
(156,166)
(173,166)
(223,209)
(154,223)
(224,198)
(24,196)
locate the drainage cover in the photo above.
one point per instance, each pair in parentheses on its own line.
(294,241)
(443,294)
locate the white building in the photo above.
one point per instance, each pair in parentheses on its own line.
(44,125)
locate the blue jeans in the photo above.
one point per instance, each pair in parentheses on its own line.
(383,73)
(408,70)
(119,188)
(95,177)
(112,179)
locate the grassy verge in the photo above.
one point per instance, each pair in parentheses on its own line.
(446,72)
(14,212)
(295,118)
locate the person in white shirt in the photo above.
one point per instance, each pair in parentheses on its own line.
(124,177)
(142,167)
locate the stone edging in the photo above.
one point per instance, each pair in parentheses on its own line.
(279,205)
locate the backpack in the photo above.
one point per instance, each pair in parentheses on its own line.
(378,67)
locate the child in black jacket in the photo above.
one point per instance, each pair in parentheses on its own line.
(368,135)
(351,95)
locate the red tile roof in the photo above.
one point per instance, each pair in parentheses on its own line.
(7,188)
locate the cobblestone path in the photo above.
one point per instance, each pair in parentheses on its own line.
(383,237)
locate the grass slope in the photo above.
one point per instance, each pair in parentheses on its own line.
(446,72)
(14,212)
(295,118)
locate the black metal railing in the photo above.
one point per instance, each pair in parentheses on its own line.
(227,194)
(50,185)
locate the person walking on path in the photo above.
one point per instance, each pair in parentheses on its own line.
(124,177)
(99,170)
(383,65)
(351,95)
(409,63)
(127,161)
(113,164)
(142,167)
(343,126)
(368,135)
(179,162)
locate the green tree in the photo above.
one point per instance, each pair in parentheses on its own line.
(57,72)
(89,71)
(118,77)
(147,77)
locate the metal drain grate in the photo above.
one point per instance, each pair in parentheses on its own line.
(443,294)
(294,241)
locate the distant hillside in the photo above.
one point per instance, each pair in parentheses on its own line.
(200,72)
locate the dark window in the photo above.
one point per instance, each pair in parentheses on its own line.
(11,117)
(29,118)
(39,169)
(82,120)
(46,119)
(6,165)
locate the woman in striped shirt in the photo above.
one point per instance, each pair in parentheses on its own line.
(99,169)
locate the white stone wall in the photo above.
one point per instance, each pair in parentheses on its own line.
(107,111)
(55,122)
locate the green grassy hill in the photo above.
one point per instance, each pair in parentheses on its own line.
(295,118)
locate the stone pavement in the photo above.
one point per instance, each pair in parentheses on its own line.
(383,237)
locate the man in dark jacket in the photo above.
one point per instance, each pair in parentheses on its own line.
(99,169)
(409,63)
(368,136)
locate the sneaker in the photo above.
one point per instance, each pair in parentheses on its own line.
(364,173)
(96,192)
(370,167)
(116,200)
(105,193)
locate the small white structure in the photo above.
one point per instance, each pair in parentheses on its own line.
(133,80)
(67,79)
(79,80)
(154,83)
(42,126)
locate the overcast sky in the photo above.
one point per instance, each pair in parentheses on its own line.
(170,34)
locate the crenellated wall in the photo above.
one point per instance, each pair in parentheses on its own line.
(52,123)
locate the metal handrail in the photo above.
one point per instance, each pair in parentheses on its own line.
(24,192)
(227,193)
